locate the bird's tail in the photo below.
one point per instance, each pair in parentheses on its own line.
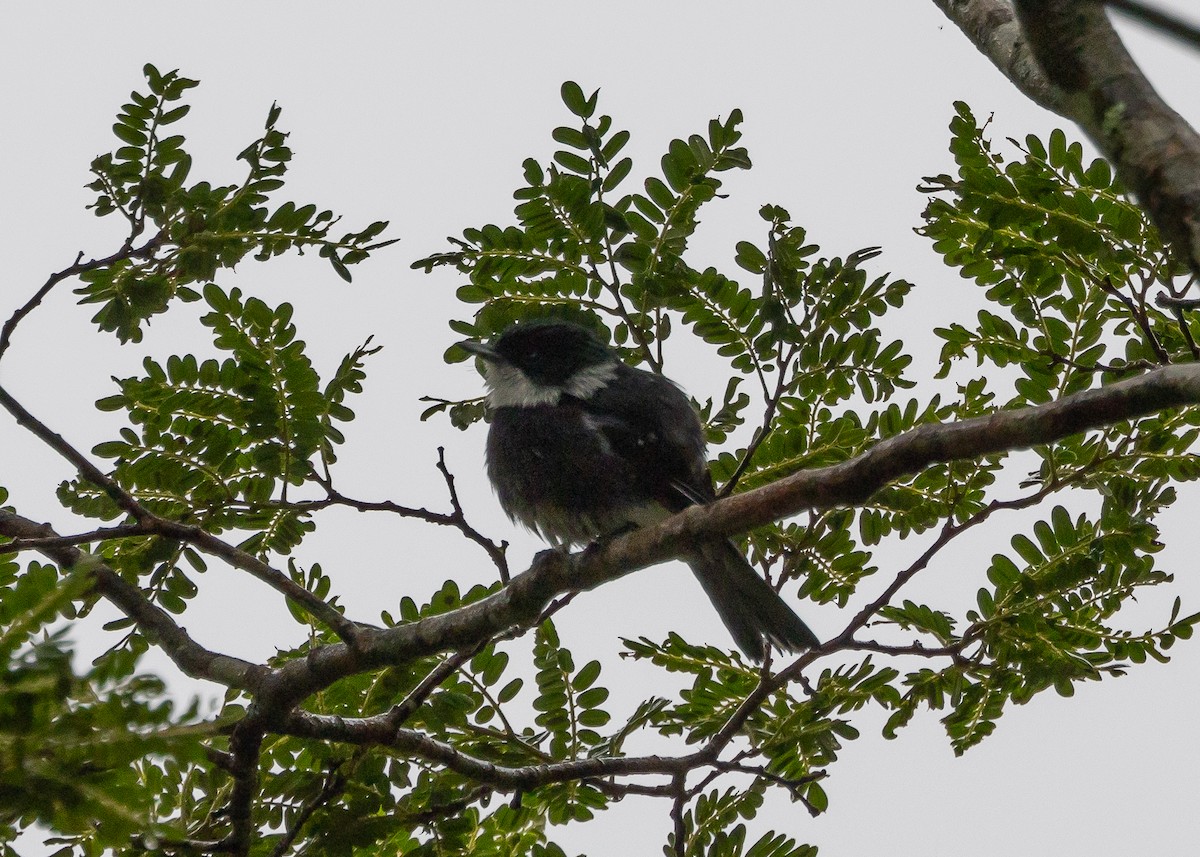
(752,611)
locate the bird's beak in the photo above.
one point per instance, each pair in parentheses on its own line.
(485,352)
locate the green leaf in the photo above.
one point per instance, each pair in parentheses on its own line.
(573,98)
(130,135)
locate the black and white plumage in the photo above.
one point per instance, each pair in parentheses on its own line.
(582,445)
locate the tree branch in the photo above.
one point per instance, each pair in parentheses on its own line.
(154,622)
(554,573)
(1156,152)
(1159,20)
(456,518)
(369,731)
(991,26)
(496,552)
(334,784)
(1089,77)
(79,267)
(101,534)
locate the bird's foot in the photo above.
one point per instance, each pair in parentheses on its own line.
(600,542)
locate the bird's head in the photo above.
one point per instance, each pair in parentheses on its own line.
(536,363)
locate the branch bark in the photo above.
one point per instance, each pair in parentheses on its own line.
(991,26)
(554,573)
(522,778)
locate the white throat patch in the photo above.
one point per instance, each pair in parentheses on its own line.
(587,381)
(509,387)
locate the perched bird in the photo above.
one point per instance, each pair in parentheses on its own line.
(582,446)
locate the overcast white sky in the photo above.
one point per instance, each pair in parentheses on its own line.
(422,114)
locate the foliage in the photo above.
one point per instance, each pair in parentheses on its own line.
(461,750)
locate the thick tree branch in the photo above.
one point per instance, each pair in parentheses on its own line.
(1089,77)
(554,573)
(991,26)
(853,481)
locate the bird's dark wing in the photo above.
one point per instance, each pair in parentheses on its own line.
(651,425)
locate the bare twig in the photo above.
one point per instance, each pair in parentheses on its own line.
(181,846)
(496,552)
(1140,316)
(456,518)
(1160,20)
(145,251)
(764,428)
(920,650)
(794,785)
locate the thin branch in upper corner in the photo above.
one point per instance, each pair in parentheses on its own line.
(1159,19)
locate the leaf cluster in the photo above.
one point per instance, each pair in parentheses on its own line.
(198,229)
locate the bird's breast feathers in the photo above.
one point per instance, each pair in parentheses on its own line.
(557,471)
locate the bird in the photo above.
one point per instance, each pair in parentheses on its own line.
(582,446)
